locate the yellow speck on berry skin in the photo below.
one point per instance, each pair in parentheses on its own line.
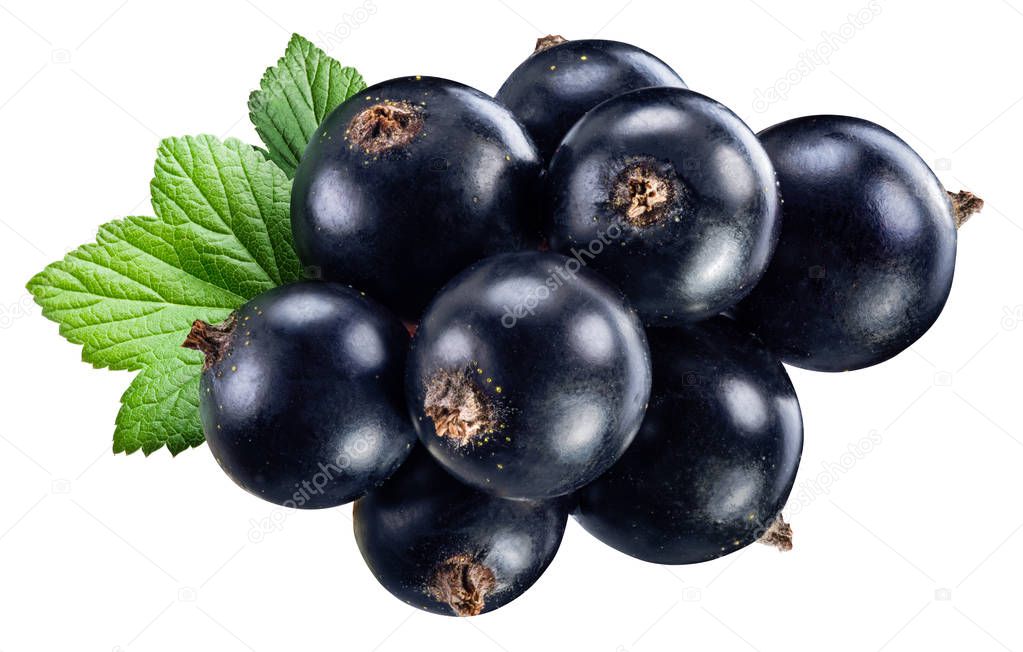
(234,367)
(498,389)
(582,58)
(554,67)
(500,466)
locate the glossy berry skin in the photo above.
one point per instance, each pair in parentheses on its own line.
(716,456)
(528,376)
(304,407)
(555,86)
(867,250)
(683,190)
(408,183)
(444,547)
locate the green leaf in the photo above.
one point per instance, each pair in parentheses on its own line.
(127,298)
(232,207)
(295,96)
(161,408)
(222,235)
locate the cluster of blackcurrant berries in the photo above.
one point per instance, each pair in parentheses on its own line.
(602,271)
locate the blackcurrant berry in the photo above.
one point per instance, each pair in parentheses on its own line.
(867,250)
(528,376)
(301,394)
(449,549)
(716,456)
(685,191)
(562,80)
(409,182)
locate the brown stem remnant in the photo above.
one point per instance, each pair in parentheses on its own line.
(642,195)
(384,126)
(459,409)
(462,583)
(210,339)
(549,41)
(779,535)
(965,205)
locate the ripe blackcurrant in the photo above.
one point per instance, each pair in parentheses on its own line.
(408,183)
(867,250)
(684,188)
(301,394)
(716,456)
(449,549)
(562,80)
(528,376)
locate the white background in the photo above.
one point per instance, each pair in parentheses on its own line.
(913,543)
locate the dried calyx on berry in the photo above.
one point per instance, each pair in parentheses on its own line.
(449,549)
(384,126)
(460,410)
(462,583)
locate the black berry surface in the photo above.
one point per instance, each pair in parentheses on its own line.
(444,547)
(716,456)
(409,182)
(683,189)
(528,376)
(301,395)
(867,250)
(562,80)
